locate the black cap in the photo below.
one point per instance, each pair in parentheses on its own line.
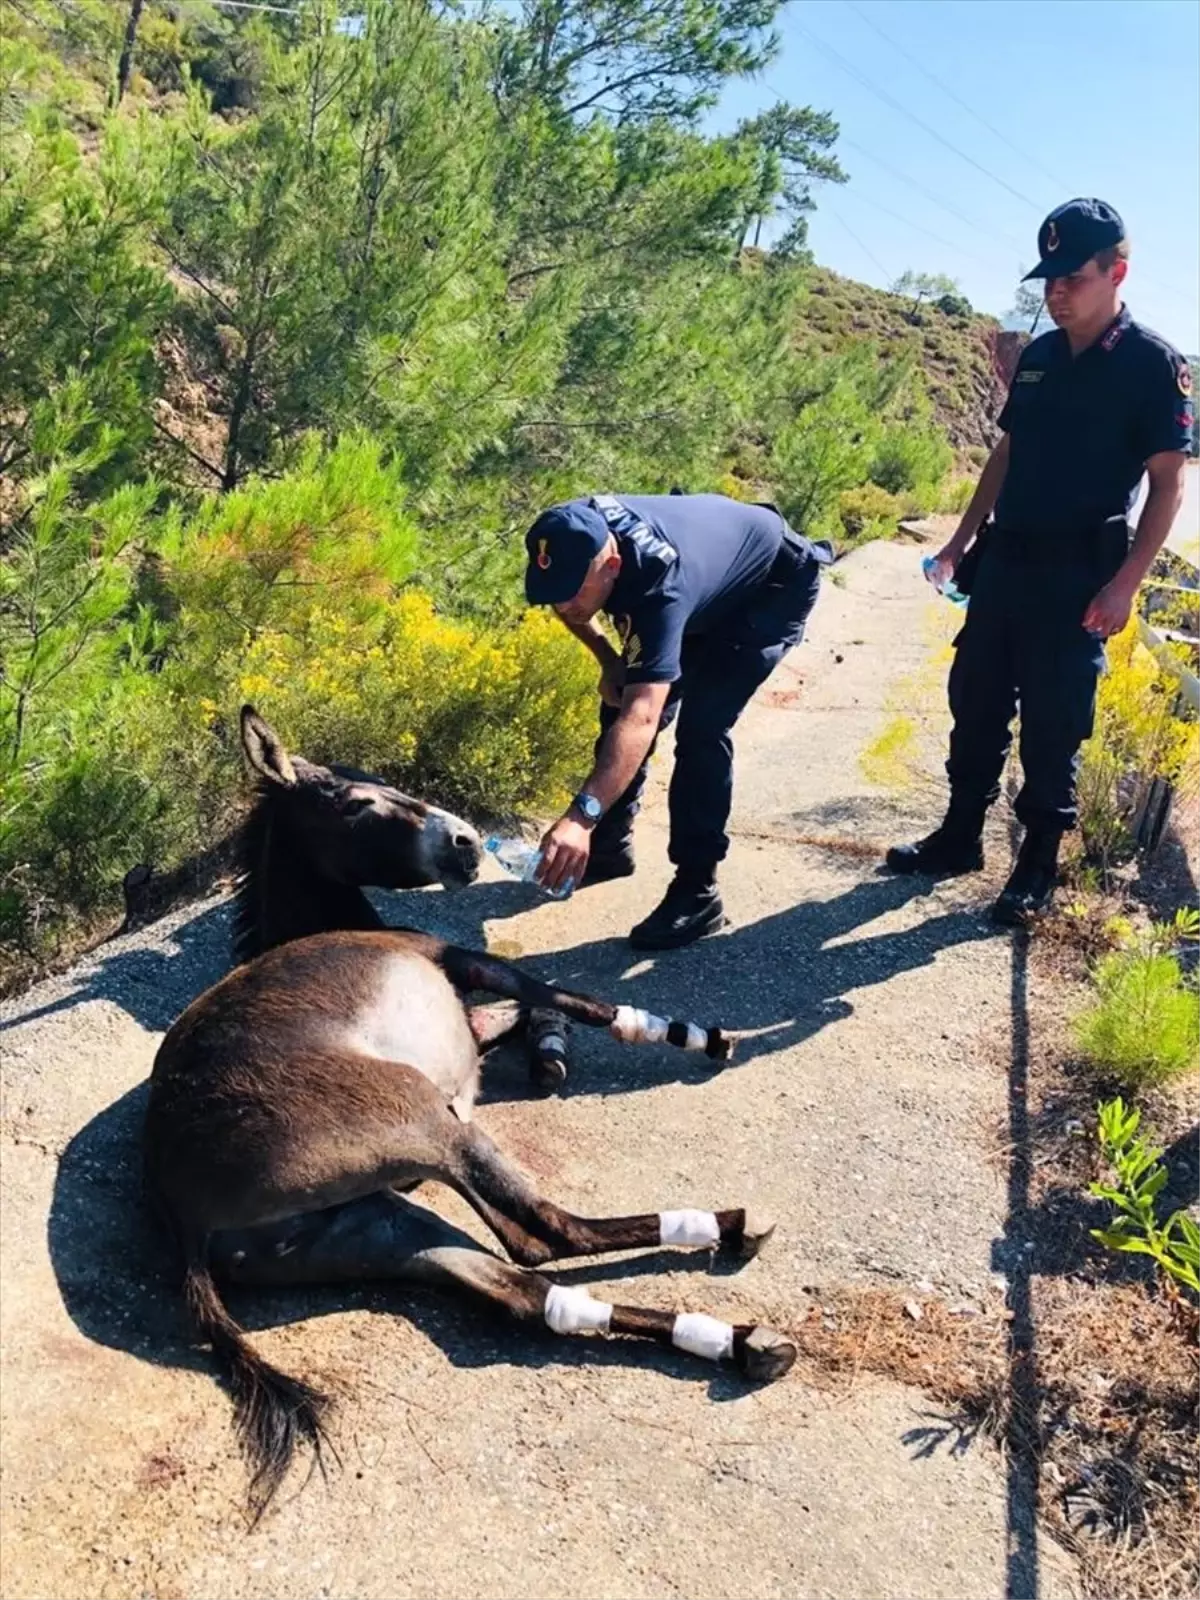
(1072,234)
(562,545)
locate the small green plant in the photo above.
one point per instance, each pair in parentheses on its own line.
(1143,1024)
(1140,1176)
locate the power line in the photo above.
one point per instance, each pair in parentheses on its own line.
(914,183)
(873,88)
(1006,239)
(918,228)
(957,98)
(869,253)
(1059,183)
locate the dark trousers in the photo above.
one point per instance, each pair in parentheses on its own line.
(1024,645)
(722,669)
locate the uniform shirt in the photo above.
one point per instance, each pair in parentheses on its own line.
(687,561)
(1081,428)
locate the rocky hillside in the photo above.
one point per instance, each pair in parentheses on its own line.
(967,359)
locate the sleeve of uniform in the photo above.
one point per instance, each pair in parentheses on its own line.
(655,640)
(1167,405)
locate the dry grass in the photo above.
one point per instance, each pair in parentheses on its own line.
(1113,1424)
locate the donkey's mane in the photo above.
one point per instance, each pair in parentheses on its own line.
(261,846)
(252,846)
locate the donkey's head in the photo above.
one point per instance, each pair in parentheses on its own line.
(353,829)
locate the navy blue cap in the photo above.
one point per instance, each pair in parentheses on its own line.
(562,545)
(1072,234)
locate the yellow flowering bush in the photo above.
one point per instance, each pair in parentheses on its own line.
(1138,736)
(486,720)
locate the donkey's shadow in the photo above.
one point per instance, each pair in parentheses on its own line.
(118,1276)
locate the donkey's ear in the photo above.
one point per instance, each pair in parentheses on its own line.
(264,750)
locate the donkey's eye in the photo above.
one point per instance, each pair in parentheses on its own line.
(356,806)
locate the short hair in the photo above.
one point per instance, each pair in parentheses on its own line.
(1107,258)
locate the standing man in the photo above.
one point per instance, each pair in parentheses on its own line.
(1092,406)
(708,595)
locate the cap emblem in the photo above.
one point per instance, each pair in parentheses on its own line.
(543,555)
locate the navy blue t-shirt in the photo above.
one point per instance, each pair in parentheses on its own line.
(1081,428)
(699,556)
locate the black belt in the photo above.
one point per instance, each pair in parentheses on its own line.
(1102,540)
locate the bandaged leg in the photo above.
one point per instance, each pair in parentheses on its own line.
(633,1026)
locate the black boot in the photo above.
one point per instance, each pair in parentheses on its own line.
(954,847)
(1031,886)
(690,908)
(609,858)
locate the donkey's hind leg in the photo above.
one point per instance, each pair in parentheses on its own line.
(535,1230)
(384,1236)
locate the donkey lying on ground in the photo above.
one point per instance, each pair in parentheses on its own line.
(291,1101)
(317,835)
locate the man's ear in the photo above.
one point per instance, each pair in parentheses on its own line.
(1119,269)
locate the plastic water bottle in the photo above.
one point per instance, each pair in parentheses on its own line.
(949,589)
(521,861)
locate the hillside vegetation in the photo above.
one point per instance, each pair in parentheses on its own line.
(303,326)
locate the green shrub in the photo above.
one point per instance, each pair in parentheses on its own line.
(868,512)
(955,495)
(910,457)
(1143,1025)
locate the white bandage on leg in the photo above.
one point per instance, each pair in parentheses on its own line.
(702,1336)
(633,1026)
(697,1038)
(688,1228)
(570,1310)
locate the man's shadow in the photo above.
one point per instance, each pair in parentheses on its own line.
(777,981)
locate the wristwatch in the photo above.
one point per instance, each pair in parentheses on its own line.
(588,807)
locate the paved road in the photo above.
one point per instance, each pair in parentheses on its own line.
(480,1462)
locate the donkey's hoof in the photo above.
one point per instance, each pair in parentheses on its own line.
(548,1074)
(720,1045)
(765,1355)
(756,1232)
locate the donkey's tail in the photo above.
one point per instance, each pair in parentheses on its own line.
(274,1413)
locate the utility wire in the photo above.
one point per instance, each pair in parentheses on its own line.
(954,95)
(873,88)
(930,194)
(918,227)
(866,250)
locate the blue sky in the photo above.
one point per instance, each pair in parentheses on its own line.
(1092,96)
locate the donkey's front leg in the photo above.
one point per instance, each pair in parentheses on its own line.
(473,969)
(546,1033)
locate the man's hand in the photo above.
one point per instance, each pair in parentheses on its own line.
(612,682)
(1109,611)
(944,564)
(565,851)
